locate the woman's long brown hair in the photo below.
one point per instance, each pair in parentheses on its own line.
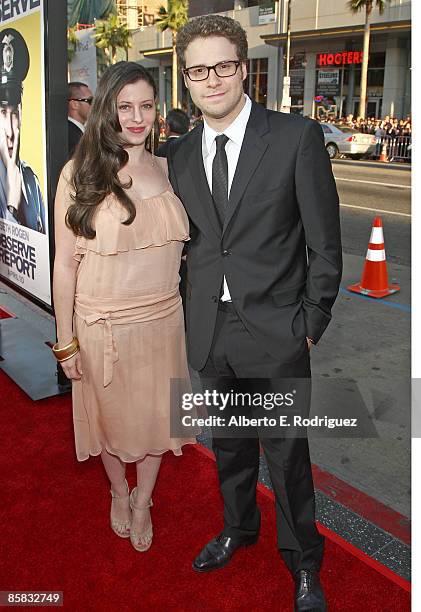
(100,153)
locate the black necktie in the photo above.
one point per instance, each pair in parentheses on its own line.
(220,177)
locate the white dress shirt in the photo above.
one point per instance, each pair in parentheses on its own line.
(235,132)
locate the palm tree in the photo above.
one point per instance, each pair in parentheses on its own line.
(173,19)
(111,35)
(355,6)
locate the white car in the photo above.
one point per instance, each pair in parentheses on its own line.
(342,140)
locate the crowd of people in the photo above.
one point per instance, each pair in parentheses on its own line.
(388,126)
(390,132)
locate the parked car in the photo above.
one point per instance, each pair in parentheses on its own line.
(342,140)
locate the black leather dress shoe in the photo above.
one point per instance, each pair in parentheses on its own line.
(218,552)
(308,592)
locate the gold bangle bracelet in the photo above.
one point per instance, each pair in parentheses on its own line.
(64,348)
(65,352)
(69,356)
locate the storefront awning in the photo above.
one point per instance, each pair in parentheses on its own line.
(390,27)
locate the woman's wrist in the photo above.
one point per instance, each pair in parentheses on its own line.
(64,339)
(63,353)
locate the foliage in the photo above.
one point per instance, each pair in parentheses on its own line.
(111,35)
(71,43)
(359,5)
(174,18)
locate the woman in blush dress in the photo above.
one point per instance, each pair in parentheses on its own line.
(120,232)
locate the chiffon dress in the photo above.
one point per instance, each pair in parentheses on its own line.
(129,323)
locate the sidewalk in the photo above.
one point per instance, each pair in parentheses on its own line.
(368,341)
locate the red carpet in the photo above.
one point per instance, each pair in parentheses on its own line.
(56,536)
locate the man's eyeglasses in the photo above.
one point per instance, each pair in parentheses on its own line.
(87,100)
(222,69)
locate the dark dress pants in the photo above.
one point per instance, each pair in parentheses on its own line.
(236,354)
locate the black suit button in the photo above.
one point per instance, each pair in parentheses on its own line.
(225,253)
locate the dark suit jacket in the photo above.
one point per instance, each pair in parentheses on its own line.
(162,150)
(75,134)
(280,247)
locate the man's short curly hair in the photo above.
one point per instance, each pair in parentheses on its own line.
(212,25)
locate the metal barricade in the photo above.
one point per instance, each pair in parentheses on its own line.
(398,148)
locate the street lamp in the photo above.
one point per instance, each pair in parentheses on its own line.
(286,98)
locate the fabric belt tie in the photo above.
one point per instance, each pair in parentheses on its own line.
(110,348)
(113,311)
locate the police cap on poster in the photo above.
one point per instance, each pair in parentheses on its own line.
(14,66)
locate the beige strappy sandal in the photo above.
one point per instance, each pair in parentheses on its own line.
(140,541)
(120,528)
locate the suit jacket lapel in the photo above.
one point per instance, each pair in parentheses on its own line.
(252,150)
(203,206)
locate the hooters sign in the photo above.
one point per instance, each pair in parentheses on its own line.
(344,58)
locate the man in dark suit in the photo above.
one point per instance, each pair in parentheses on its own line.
(79,102)
(264,265)
(177,124)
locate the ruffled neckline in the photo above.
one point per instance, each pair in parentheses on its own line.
(160,219)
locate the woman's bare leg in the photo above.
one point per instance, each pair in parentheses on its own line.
(116,472)
(147,471)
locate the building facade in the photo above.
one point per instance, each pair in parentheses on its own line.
(138,13)
(325,55)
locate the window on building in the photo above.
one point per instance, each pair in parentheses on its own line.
(256,84)
(377,60)
(135,14)
(375,76)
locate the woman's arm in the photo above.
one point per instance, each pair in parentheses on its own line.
(64,277)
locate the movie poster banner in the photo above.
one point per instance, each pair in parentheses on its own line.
(328,83)
(24,240)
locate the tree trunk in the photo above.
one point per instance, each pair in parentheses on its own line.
(174,97)
(364,67)
(114,55)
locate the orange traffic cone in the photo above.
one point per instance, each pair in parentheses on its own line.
(374,281)
(383,155)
